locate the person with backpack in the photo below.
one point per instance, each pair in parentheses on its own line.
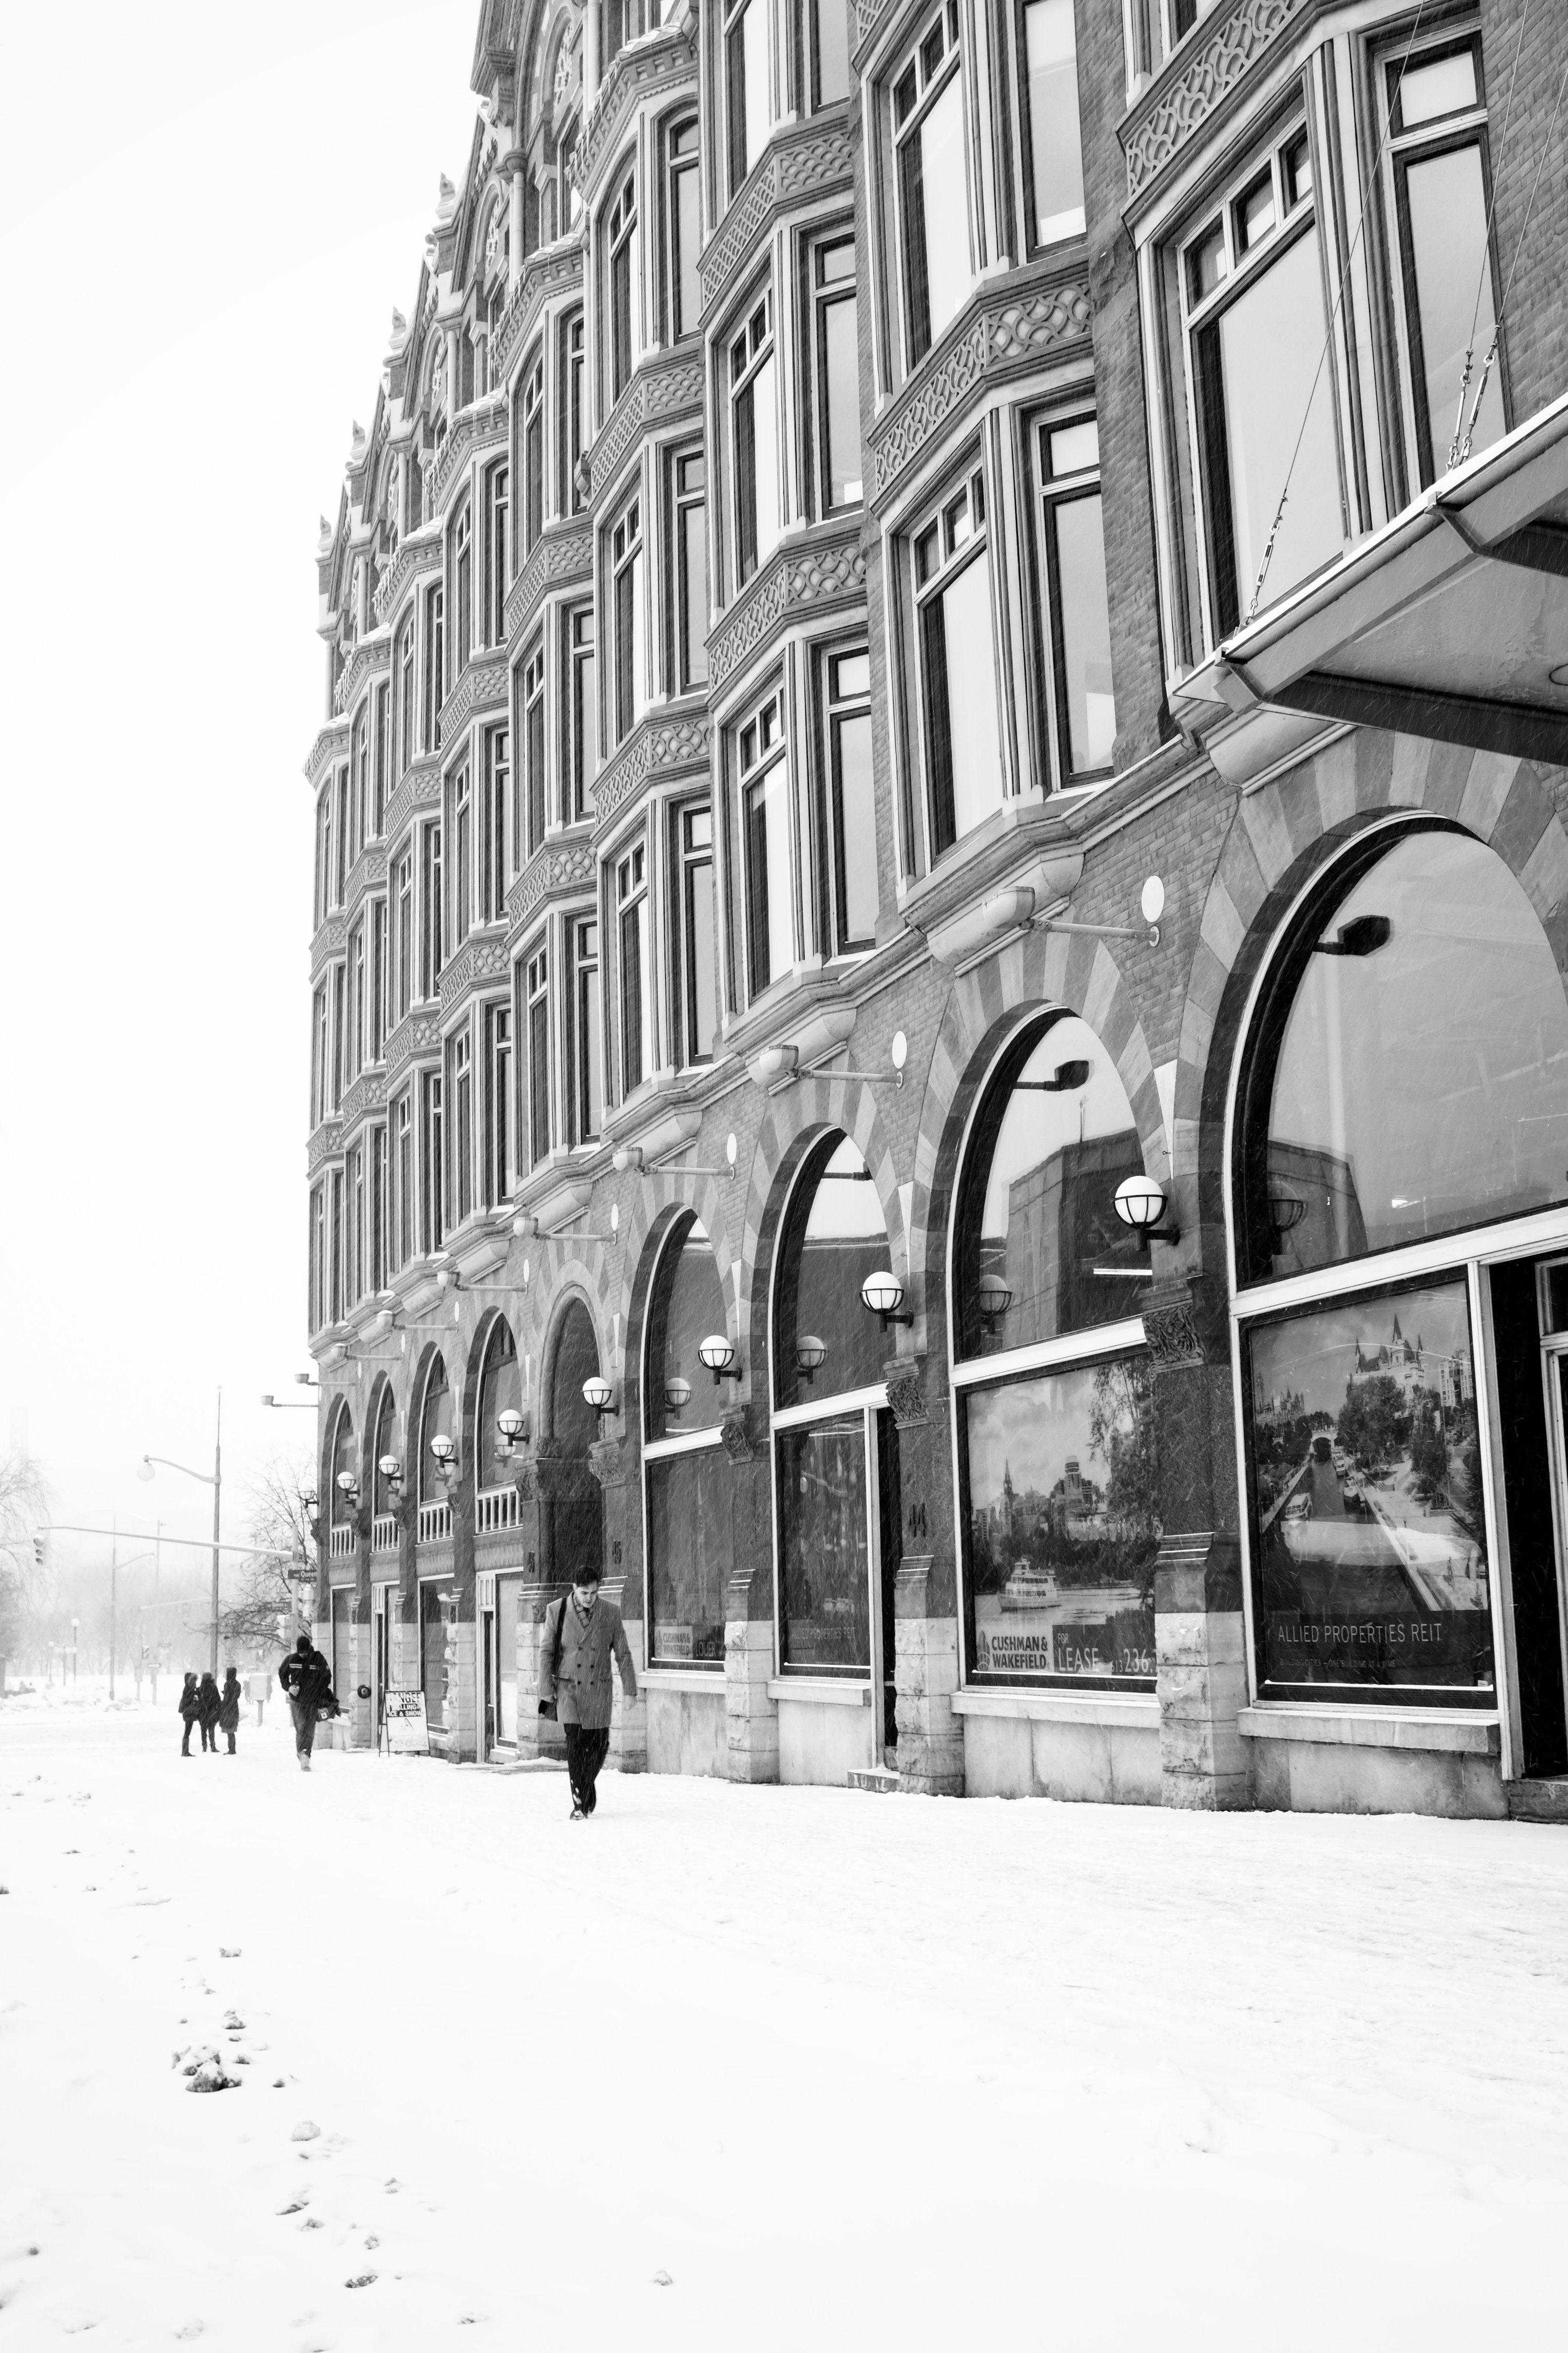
(209,1706)
(228,1707)
(583,1639)
(307,1681)
(189,1705)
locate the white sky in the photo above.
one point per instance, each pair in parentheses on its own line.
(213,214)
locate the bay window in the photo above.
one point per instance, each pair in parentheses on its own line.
(635,949)
(621,249)
(361,789)
(535,1024)
(430,941)
(848,827)
(686,1475)
(763,784)
(462,589)
(321,1019)
(747,101)
(688,543)
(1054,144)
(955,653)
(356,1059)
(377,1229)
(403,914)
(683,229)
(695,1011)
(383,784)
(532,433)
(408,742)
(401,1152)
(754,439)
(1077,602)
(498,524)
(573,423)
(626,597)
(582,714)
(585,1073)
(434,666)
(497,1155)
(533,782)
(934,194)
(461,861)
(376,977)
(836,377)
(432,1169)
(461,1095)
(496,757)
(827,34)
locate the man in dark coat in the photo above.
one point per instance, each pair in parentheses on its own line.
(583,1638)
(306,1681)
(189,1706)
(228,1710)
(209,1704)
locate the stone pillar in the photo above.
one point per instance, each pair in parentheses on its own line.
(1199,1638)
(513,164)
(930,1751)
(628,1725)
(750,1716)
(462,1687)
(358,1713)
(537,1736)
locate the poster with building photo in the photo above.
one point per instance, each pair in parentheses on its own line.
(1062,1528)
(1368,1532)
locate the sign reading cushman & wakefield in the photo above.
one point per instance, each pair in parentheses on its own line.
(404,1730)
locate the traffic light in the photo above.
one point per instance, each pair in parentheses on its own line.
(41,1548)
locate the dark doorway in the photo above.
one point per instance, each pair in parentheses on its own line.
(891,1514)
(1527,1501)
(572,1520)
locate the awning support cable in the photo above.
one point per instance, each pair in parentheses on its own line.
(1513,265)
(1327,339)
(1456,448)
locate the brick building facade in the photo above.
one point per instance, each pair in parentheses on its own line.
(940,893)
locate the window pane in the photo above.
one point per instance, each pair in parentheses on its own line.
(702,1008)
(1450,262)
(1445,86)
(1422,1079)
(1077,528)
(855,829)
(765,461)
(508,1596)
(944,207)
(693,595)
(1369,1536)
(1271,340)
(687,1304)
(772,938)
(841,382)
(501,1392)
(690,1549)
(433,1654)
(836,1238)
(755,37)
(1063,1523)
(974,746)
(832,22)
(1055,140)
(823,1554)
(688,244)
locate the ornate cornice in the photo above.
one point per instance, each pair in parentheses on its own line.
(656,394)
(482,427)
(483,688)
(477,960)
(561,556)
(420,787)
(368,869)
(793,168)
(367,1093)
(999,339)
(419,553)
(796,576)
(555,271)
(369,656)
(330,941)
(659,743)
(418,1036)
(1197,81)
(329,745)
(633,74)
(551,873)
(326,1143)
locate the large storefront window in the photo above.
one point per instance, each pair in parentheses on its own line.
(1410,1073)
(835,1462)
(1407,1085)
(688,1481)
(571,1514)
(434,1421)
(1368,1524)
(501,1391)
(1058,1492)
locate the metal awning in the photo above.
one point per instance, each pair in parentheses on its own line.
(1450,622)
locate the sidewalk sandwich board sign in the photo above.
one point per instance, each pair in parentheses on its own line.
(404,1728)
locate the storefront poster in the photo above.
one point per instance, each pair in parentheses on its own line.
(1369,1538)
(404,1727)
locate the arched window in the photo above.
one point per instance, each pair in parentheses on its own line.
(835,1444)
(1058,1499)
(385,1445)
(1408,1072)
(572,1519)
(1403,1096)
(687,1484)
(501,1391)
(434,1421)
(343,1460)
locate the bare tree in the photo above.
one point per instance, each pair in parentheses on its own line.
(24,1499)
(269,1597)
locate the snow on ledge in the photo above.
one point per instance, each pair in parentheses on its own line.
(1472,1730)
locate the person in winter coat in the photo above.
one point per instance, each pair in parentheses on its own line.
(306,1681)
(209,1704)
(583,1637)
(228,1707)
(189,1706)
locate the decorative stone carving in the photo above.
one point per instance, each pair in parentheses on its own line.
(414,557)
(1008,335)
(789,171)
(906,1393)
(482,687)
(556,558)
(1178,108)
(548,872)
(477,961)
(607,1461)
(735,1435)
(1171,1332)
(557,269)
(795,577)
(675,744)
(325,1144)
(630,75)
(417,1034)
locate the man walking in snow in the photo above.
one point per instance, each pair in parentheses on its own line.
(583,1639)
(306,1681)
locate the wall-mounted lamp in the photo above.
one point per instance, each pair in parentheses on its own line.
(311,1502)
(511,1428)
(391,1469)
(630,1155)
(597,1393)
(1285,1212)
(1141,1204)
(810,1355)
(993,1298)
(719,1353)
(444,1449)
(899,1055)
(1150,906)
(1362,936)
(348,1488)
(677,1395)
(883,1293)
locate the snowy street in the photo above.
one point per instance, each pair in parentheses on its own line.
(745,2068)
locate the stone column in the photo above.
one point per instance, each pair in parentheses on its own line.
(925,1589)
(514,164)
(358,1719)
(750,1716)
(1199,1635)
(537,1736)
(628,1725)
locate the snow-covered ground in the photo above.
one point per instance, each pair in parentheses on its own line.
(745,2068)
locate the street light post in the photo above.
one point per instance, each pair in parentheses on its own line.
(146,1471)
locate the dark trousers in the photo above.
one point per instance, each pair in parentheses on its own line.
(209,1738)
(587,1746)
(230,1739)
(304,1727)
(185,1743)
